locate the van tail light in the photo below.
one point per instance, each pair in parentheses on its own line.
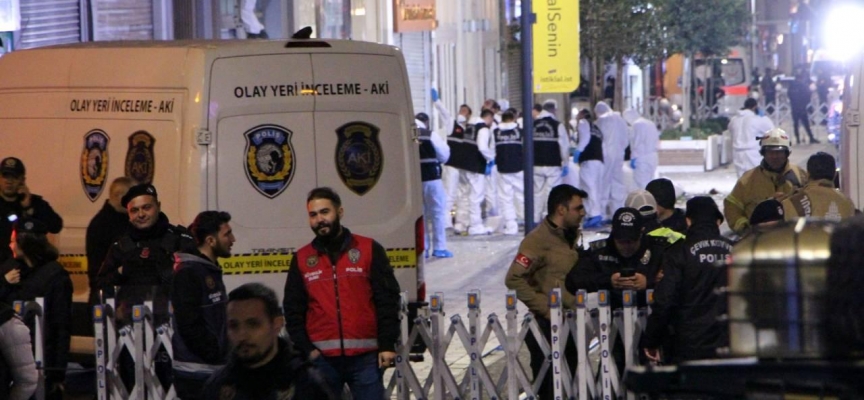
(420,246)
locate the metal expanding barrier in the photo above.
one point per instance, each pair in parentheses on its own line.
(593,331)
(34,310)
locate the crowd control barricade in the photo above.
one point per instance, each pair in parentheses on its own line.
(142,341)
(34,311)
(592,329)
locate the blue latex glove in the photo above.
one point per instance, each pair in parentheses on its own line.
(565,170)
(633,163)
(435,95)
(576,154)
(489,166)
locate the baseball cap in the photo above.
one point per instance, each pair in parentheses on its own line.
(703,208)
(30,225)
(643,201)
(12,166)
(767,211)
(626,224)
(139,190)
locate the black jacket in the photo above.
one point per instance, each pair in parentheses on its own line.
(41,211)
(199,299)
(104,229)
(51,282)
(594,270)
(273,381)
(687,296)
(385,295)
(147,258)
(799,95)
(676,222)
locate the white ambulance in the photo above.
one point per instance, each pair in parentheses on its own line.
(247,127)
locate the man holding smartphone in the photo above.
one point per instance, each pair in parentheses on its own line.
(627,260)
(16,202)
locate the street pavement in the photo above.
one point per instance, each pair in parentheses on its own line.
(481,262)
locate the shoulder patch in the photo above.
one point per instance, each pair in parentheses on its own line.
(523,260)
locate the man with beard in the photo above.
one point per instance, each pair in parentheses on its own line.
(774,178)
(342,301)
(262,364)
(199,297)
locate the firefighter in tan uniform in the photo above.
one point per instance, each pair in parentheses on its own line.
(545,257)
(818,198)
(775,178)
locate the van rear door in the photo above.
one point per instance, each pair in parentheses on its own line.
(366,152)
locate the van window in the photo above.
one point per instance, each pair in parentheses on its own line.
(731,70)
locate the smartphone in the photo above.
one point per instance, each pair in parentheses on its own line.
(628,273)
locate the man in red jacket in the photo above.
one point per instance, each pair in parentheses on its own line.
(342,301)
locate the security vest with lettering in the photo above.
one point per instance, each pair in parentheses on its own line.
(547,151)
(341,317)
(594,149)
(508,148)
(465,155)
(430,168)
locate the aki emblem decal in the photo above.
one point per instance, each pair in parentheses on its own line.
(359,157)
(270,159)
(94,163)
(354,255)
(646,257)
(140,162)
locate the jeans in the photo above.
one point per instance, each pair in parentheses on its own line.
(361,373)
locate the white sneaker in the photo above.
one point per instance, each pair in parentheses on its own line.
(511,228)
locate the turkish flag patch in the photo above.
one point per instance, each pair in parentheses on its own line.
(523,260)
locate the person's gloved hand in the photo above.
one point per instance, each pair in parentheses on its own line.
(565,170)
(489,166)
(633,163)
(576,154)
(435,95)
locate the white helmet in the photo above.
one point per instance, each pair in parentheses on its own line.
(775,139)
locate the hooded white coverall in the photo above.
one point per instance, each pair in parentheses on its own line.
(746,128)
(434,196)
(590,173)
(615,141)
(644,143)
(472,187)
(546,177)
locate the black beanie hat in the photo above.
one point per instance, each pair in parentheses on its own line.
(663,192)
(767,211)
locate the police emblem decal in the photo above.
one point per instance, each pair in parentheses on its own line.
(211,284)
(270,159)
(359,157)
(94,163)
(312,261)
(646,258)
(354,255)
(140,161)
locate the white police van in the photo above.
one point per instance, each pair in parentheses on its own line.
(247,127)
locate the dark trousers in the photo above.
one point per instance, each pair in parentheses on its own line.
(800,116)
(546,390)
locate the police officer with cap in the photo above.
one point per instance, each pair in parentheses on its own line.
(775,178)
(626,260)
(16,202)
(143,258)
(687,298)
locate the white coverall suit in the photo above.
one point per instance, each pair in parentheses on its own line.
(746,127)
(450,175)
(615,141)
(590,173)
(434,196)
(547,177)
(644,142)
(472,188)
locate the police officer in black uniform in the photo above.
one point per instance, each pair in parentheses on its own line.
(143,258)
(687,297)
(626,260)
(17,202)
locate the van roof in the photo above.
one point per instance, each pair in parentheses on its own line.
(149,63)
